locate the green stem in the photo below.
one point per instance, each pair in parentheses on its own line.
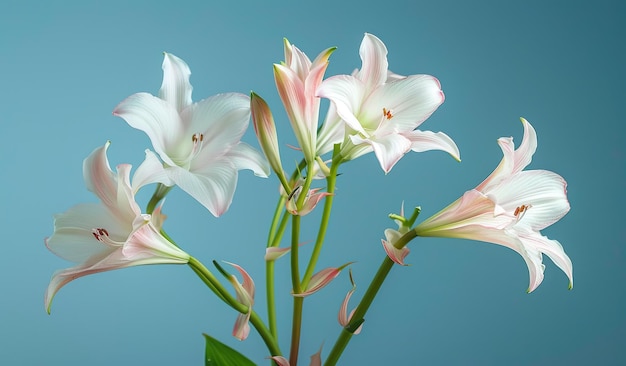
(212,282)
(321,233)
(276,233)
(296,326)
(159,193)
(359,313)
(298,302)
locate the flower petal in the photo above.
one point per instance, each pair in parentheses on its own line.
(175,89)
(222,119)
(525,151)
(374,62)
(73,237)
(154,116)
(347,94)
(150,171)
(243,156)
(553,249)
(542,191)
(213,186)
(410,100)
(395,254)
(280,360)
(389,149)
(427,140)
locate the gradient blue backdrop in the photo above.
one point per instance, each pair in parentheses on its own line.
(561,64)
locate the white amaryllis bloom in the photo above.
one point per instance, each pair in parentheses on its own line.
(510,208)
(297,80)
(111,234)
(199,143)
(382,110)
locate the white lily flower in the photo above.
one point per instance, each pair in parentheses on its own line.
(199,143)
(510,208)
(111,234)
(382,110)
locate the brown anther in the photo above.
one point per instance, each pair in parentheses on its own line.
(387,113)
(197,137)
(519,211)
(99,233)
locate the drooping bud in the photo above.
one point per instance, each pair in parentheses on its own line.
(265,131)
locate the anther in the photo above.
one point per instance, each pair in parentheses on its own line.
(197,137)
(98,233)
(521,211)
(387,113)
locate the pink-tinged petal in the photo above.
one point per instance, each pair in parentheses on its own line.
(113,189)
(147,246)
(245,290)
(265,131)
(389,149)
(374,62)
(395,254)
(296,60)
(273,253)
(316,358)
(427,140)
(525,151)
(513,160)
(505,167)
(347,94)
(472,212)
(312,199)
(554,250)
(108,261)
(243,156)
(154,116)
(245,295)
(158,217)
(322,58)
(292,92)
(410,102)
(241,329)
(150,171)
(213,187)
(343,317)
(280,360)
(175,89)
(321,279)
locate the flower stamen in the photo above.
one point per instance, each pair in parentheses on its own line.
(196,139)
(521,211)
(387,113)
(102,235)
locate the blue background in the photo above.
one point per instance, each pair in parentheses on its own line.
(560,64)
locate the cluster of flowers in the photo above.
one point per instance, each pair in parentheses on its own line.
(197,147)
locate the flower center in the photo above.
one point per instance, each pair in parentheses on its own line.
(196,139)
(520,211)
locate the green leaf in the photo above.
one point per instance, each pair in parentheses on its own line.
(219,354)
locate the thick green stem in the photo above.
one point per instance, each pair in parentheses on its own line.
(359,313)
(212,282)
(296,328)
